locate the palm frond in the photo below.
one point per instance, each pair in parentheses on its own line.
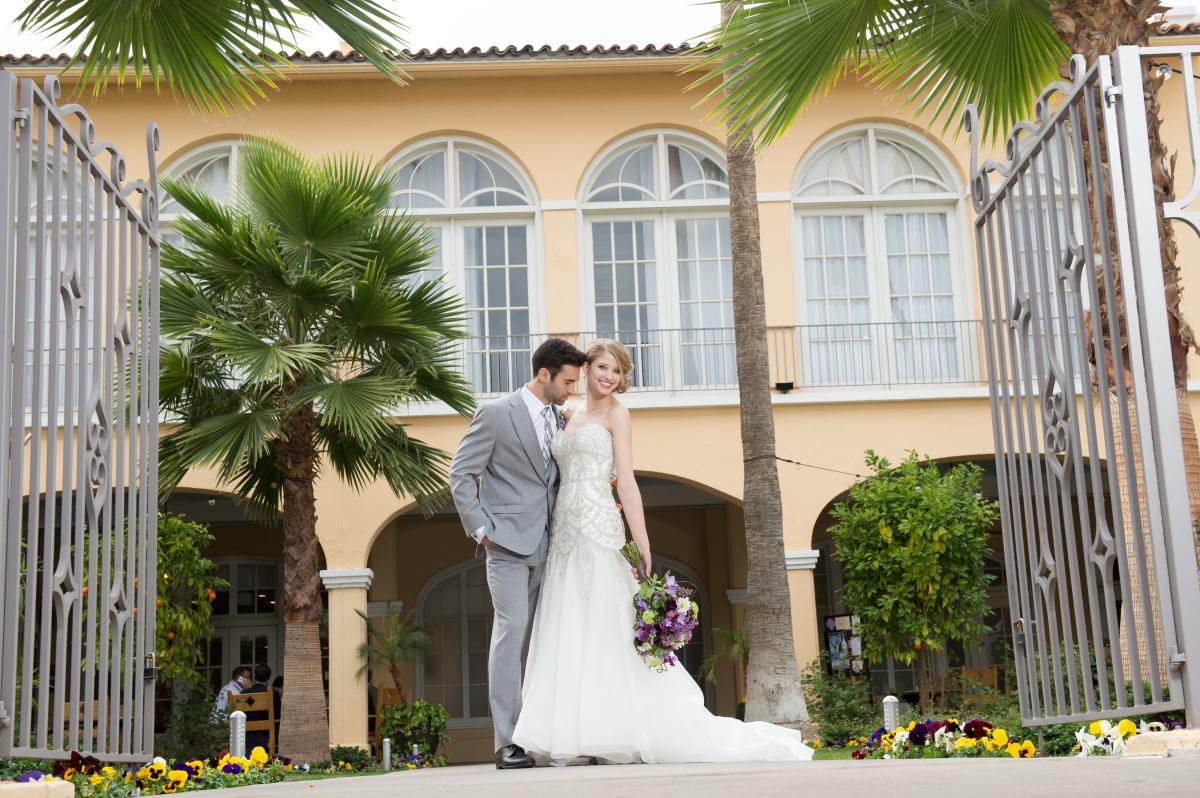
(212,54)
(262,359)
(231,440)
(316,217)
(775,57)
(358,406)
(999,57)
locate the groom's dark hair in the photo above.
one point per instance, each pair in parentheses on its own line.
(554,353)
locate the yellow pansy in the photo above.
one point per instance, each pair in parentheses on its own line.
(178,776)
(258,756)
(999,737)
(109,772)
(912,724)
(96,779)
(1126,729)
(1095,729)
(964,742)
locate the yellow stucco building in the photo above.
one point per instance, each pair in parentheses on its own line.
(581,191)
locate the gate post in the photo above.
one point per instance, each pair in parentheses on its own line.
(8,89)
(1182,580)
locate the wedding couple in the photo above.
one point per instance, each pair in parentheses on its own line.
(533,487)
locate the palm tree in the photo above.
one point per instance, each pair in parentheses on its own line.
(393,646)
(295,328)
(773,691)
(213,54)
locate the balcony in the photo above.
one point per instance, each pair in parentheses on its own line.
(891,355)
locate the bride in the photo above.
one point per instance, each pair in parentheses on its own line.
(588,696)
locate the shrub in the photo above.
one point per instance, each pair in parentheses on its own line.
(193,728)
(421,724)
(356,758)
(839,705)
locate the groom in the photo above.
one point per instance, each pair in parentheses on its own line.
(504,482)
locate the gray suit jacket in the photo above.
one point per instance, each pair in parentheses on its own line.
(514,498)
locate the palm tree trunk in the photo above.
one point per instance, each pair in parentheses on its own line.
(773,677)
(304,725)
(1095,28)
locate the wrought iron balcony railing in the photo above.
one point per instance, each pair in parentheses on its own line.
(884,355)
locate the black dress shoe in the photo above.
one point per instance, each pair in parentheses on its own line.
(511,757)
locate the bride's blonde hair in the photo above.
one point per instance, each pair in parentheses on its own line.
(620,353)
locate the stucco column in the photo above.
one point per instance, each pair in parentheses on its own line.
(347,690)
(805,631)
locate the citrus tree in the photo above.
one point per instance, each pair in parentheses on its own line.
(911,541)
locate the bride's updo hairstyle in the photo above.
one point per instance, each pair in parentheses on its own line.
(620,353)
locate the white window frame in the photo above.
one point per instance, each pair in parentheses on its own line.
(662,212)
(453,219)
(873,207)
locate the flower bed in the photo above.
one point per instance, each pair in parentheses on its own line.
(158,777)
(1105,738)
(940,739)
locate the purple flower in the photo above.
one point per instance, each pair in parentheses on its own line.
(877,736)
(919,733)
(32,775)
(233,768)
(185,768)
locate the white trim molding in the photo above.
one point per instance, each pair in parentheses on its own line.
(802,559)
(338,578)
(559,205)
(737,595)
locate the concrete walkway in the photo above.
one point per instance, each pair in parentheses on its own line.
(1127,776)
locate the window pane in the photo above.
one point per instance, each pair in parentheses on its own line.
(693,175)
(485,182)
(421,182)
(627,177)
(837,349)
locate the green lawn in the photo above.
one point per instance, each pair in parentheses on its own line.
(825,754)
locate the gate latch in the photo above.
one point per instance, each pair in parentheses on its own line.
(1178,658)
(150,672)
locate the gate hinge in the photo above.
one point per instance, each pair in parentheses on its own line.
(1178,658)
(1111,94)
(21,116)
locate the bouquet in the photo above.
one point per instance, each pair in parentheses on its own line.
(664,614)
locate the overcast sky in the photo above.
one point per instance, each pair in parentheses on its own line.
(467,23)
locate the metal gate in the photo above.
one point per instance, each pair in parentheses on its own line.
(1101,571)
(79,434)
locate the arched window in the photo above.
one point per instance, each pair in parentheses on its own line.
(879,271)
(482,213)
(456,609)
(655,211)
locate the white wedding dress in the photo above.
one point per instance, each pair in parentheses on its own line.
(587,694)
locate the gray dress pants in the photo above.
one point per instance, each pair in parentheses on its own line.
(514,581)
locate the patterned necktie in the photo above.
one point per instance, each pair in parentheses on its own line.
(547,433)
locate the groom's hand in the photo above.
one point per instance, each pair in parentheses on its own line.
(486,542)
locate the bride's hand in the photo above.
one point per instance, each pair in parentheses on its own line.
(646,563)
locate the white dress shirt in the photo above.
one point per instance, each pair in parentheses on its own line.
(535,406)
